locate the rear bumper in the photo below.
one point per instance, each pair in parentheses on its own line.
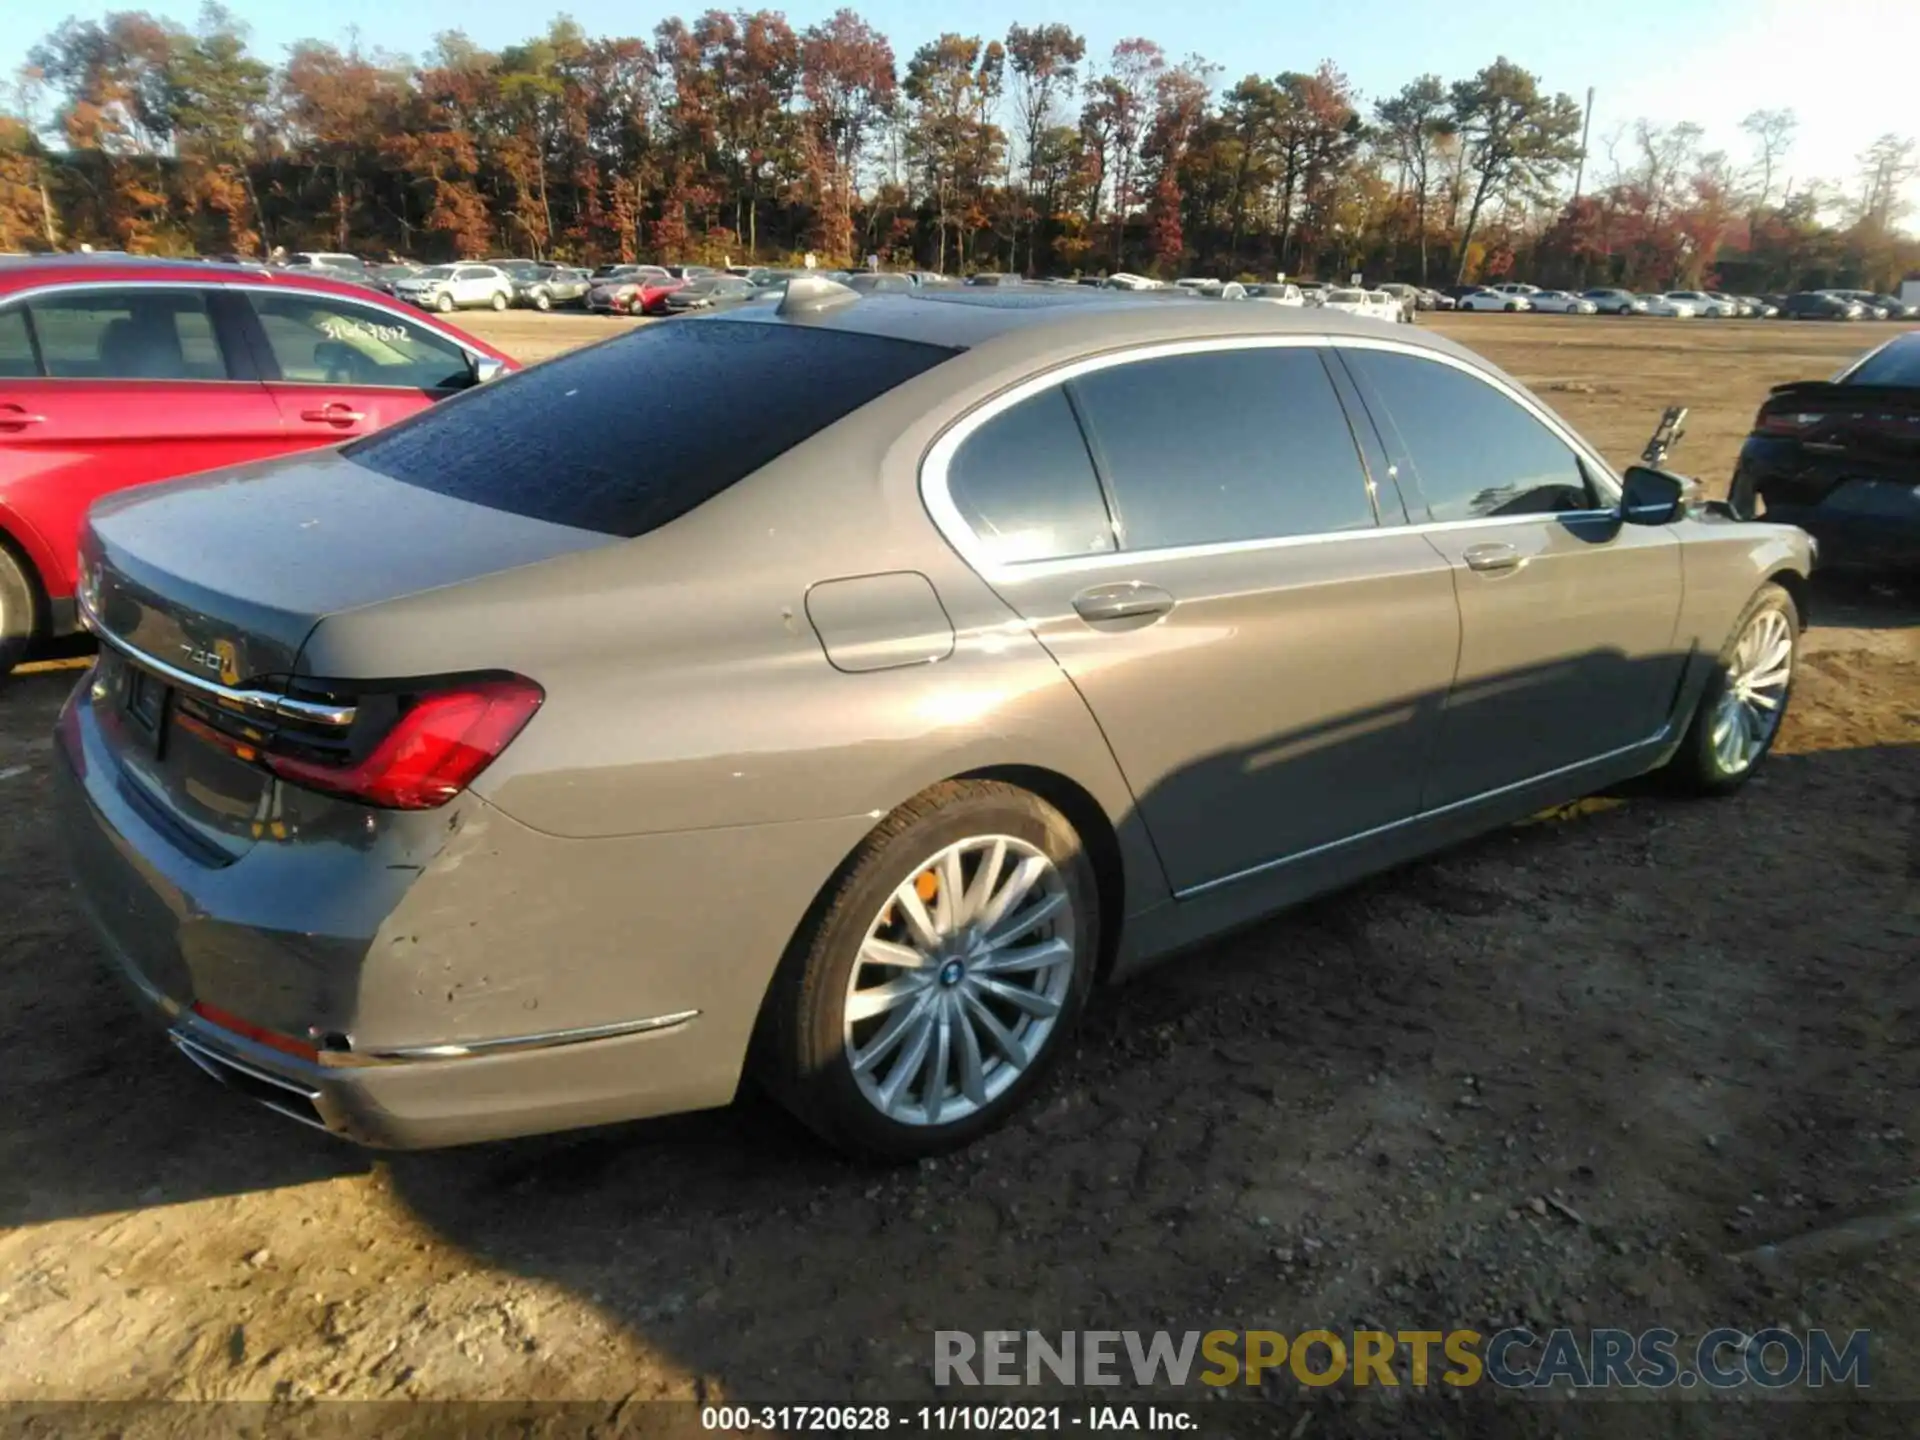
(1819,495)
(510,983)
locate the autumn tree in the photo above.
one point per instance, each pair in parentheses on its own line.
(1515,140)
(1412,124)
(1772,132)
(950,84)
(1045,61)
(848,81)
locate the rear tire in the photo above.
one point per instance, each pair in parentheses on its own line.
(499,301)
(19,611)
(1745,700)
(964,1010)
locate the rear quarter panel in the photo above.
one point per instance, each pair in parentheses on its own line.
(687,689)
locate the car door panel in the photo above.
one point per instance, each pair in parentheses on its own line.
(1568,615)
(1284,699)
(97,436)
(1566,648)
(1266,661)
(86,431)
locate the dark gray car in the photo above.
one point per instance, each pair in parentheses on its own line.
(847,688)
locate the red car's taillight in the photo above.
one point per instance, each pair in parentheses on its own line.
(433,752)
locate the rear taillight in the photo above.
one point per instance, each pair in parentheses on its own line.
(1788,422)
(433,752)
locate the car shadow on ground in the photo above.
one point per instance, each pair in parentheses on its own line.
(1335,1118)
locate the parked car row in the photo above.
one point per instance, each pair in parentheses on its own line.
(1688,304)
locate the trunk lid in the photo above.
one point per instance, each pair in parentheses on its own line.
(1879,425)
(205,591)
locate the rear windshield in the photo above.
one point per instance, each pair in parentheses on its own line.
(1897,364)
(624,436)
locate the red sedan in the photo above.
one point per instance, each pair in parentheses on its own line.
(117,371)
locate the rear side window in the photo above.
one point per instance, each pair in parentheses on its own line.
(624,436)
(1476,453)
(125,334)
(1226,445)
(1026,485)
(1896,364)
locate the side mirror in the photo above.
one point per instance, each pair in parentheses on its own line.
(1653,497)
(485,368)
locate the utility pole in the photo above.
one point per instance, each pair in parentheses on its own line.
(1586,124)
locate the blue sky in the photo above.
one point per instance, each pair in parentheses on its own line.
(1710,61)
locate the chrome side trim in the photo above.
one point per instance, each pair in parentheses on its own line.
(545,1040)
(935,495)
(259,701)
(1268,866)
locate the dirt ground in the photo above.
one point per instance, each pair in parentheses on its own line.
(1573,1073)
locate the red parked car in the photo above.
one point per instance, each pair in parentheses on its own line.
(119,371)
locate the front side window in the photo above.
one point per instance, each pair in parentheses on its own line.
(1476,453)
(127,334)
(1236,444)
(1025,484)
(321,340)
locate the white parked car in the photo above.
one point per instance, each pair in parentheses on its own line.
(1704,305)
(1667,305)
(1389,306)
(1374,304)
(457,287)
(1494,300)
(1559,302)
(1514,287)
(1127,280)
(1282,293)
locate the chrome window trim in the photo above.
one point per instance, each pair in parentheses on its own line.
(258,701)
(936,495)
(411,317)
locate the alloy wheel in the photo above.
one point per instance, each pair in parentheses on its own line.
(1755,694)
(960,981)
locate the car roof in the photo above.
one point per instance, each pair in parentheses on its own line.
(1037,323)
(28,272)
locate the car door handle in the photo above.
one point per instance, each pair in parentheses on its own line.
(1128,600)
(18,417)
(1495,555)
(334,414)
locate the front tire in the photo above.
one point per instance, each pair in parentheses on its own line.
(542,300)
(938,977)
(19,611)
(1745,701)
(444,303)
